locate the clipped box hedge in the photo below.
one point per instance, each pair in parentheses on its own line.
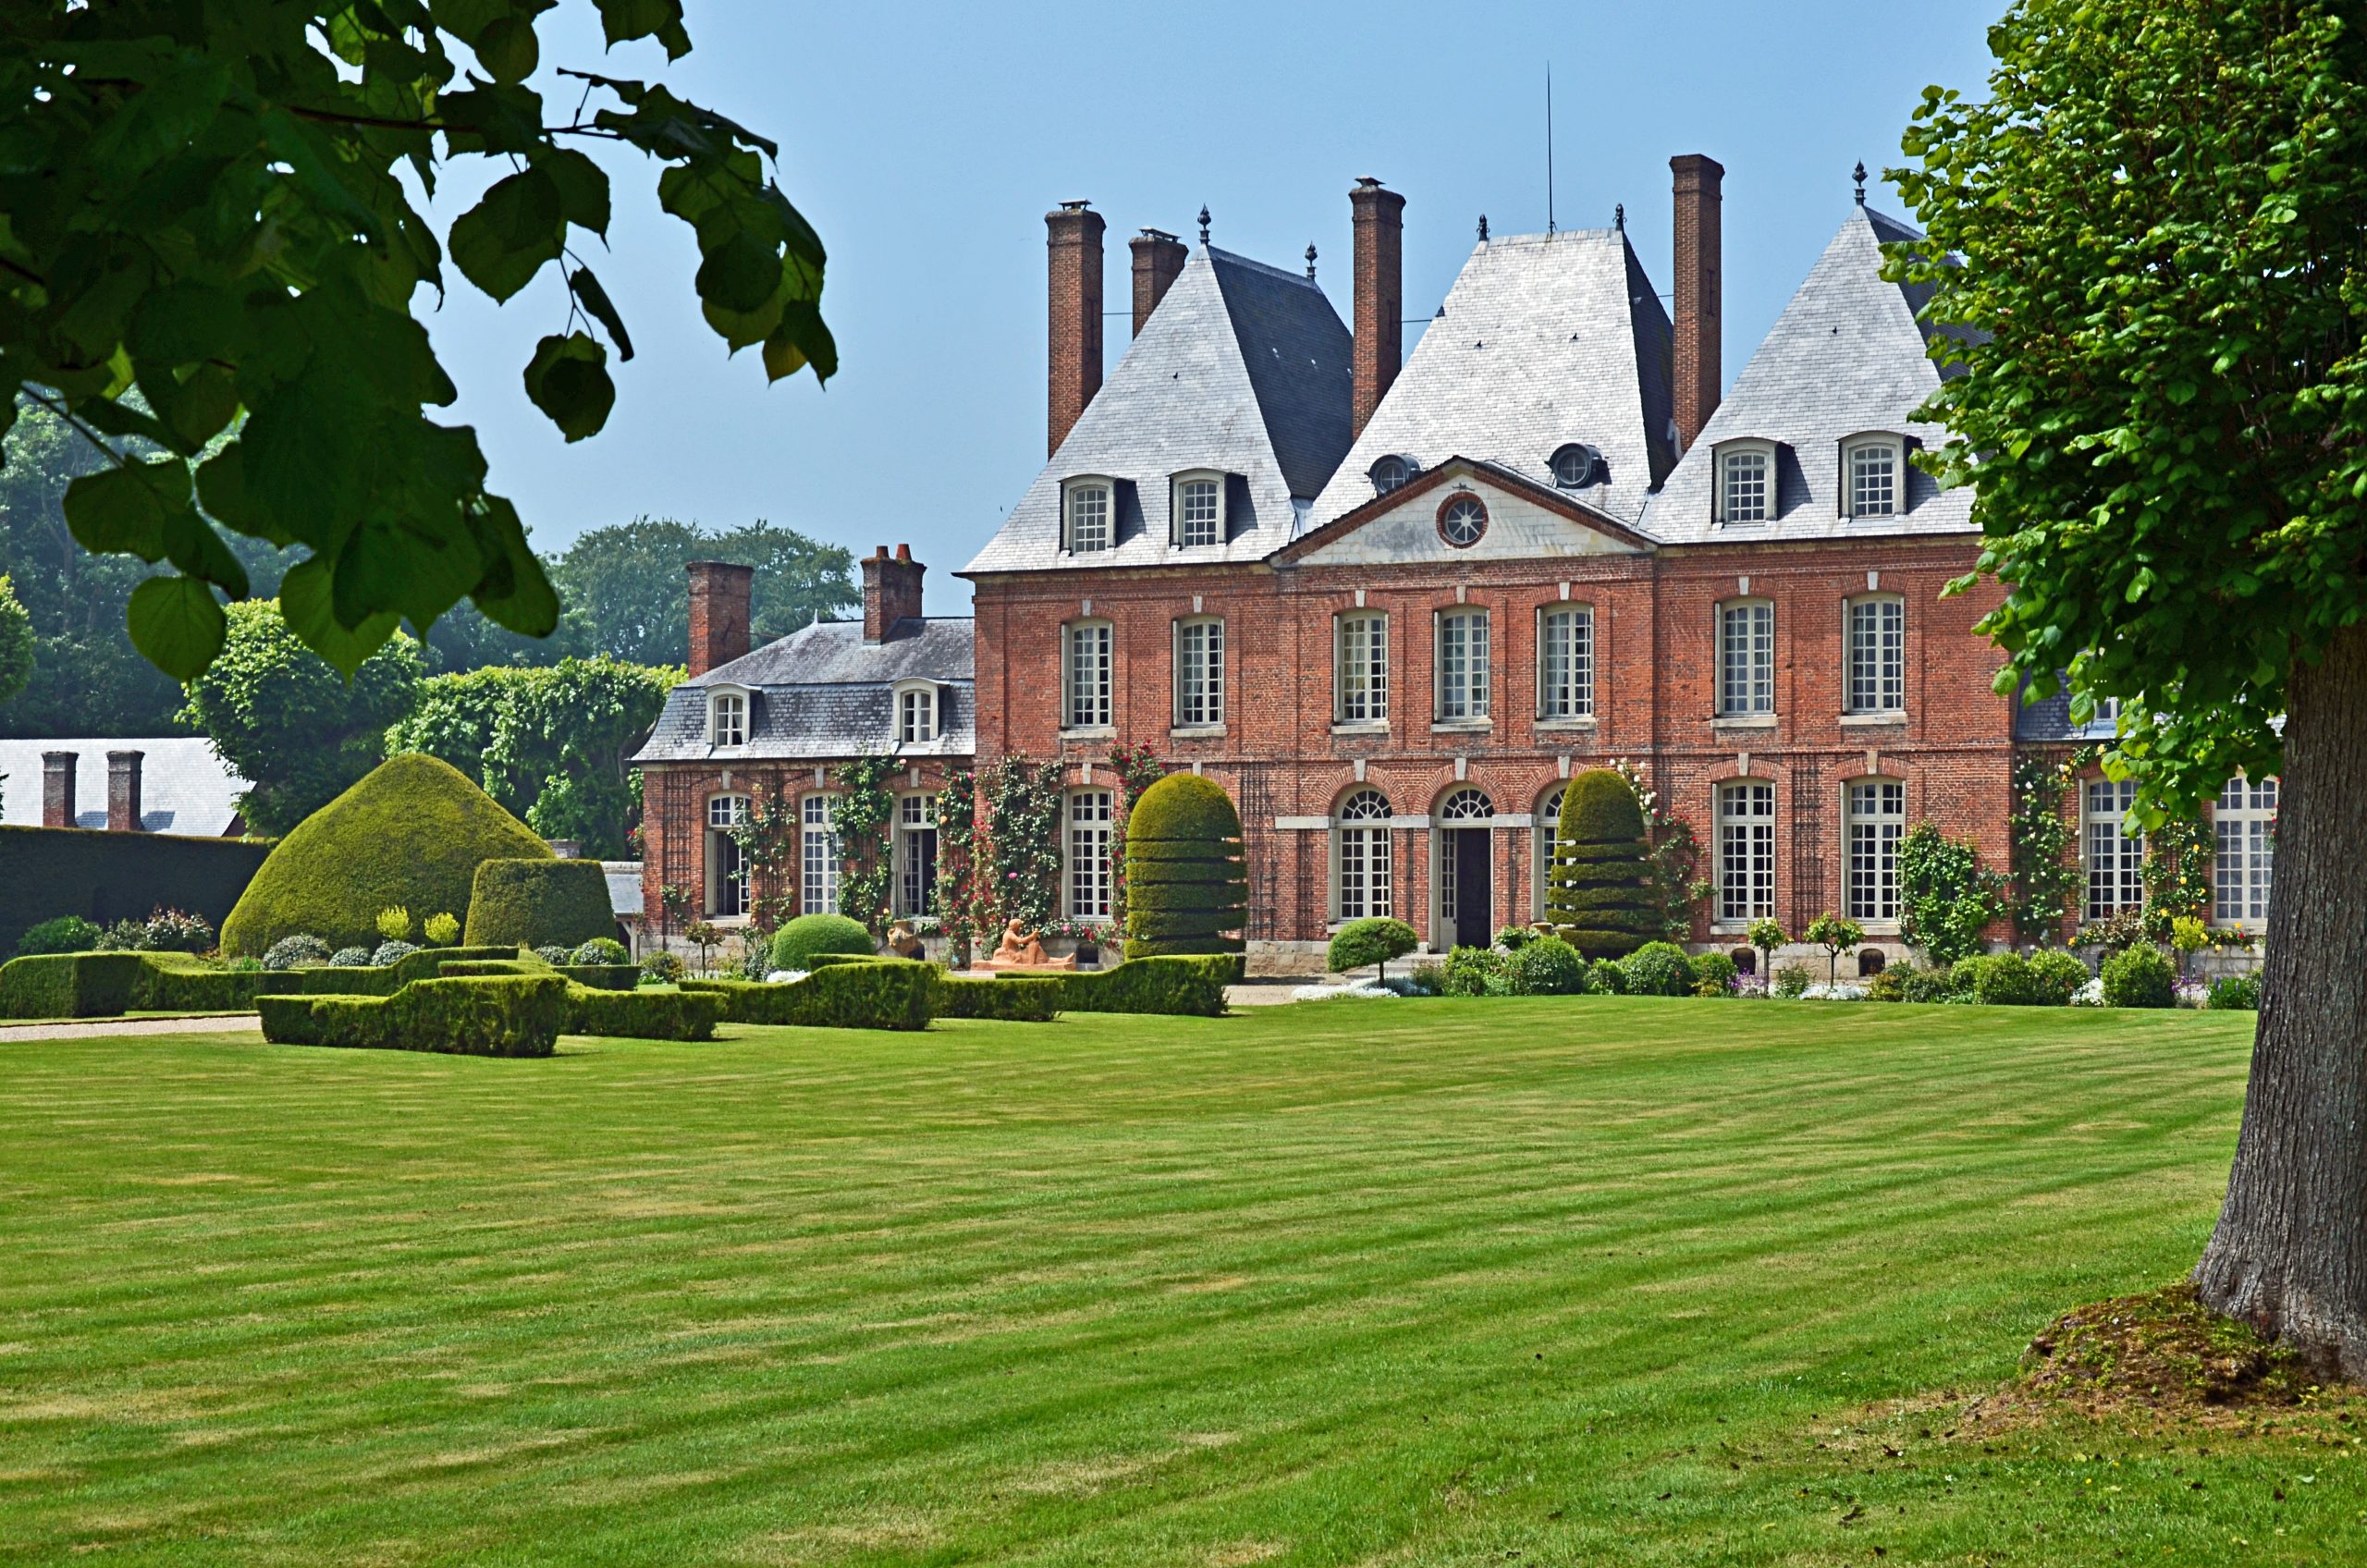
(644,1015)
(1185,985)
(539,902)
(889,994)
(108,985)
(105,877)
(1030,998)
(1185,884)
(603,976)
(507,1015)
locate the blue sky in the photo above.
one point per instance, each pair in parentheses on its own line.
(925,143)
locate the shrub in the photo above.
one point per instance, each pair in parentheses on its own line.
(1547,967)
(102,877)
(1021,999)
(69,985)
(63,933)
(602,977)
(123,937)
(490,1015)
(1375,941)
(554,955)
(642,1015)
(1185,886)
(350,958)
(1927,985)
(795,944)
(1836,935)
(896,994)
(662,968)
(176,931)
(1428,980)
(1180,984)
(178,983)
(522,902)
(1512,938)
(390,954)
(412,832)
(293,952)
(442,930)
(1605,978)
(1474,972)
(1599,890)
(599,949)
(1658,969)
(2057,975)
(1889,985)
(2000,980)
(394,923)
(2235,993)
(1792,979)
(2139,975)
(1714,974)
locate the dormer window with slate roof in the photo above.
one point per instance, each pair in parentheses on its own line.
(1574,465)
(1745,486)
(1088,515)
(1392,472)
(1873,474)
(916,712)
(1198,505)
(727,716)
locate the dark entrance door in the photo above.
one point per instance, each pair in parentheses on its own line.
(1473,893)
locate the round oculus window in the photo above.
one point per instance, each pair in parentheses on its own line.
(1462,520)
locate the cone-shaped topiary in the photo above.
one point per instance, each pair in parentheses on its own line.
(536,904)
(1185,888)
(1598,893)
(412,832)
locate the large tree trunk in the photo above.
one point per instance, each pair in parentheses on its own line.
(2290,1255)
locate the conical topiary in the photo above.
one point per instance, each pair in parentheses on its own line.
(1598,893)
(412,832)
(1185,888)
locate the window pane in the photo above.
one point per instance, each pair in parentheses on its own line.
(1362,677)
(1877,821)
(1566,677)
(1747,659)
(2116,857)
(2244,830)
(1746,481)
(1745,852)
(1197,510)
(1199,672)
(1089,517)
(818,888)
(1873,480)
(1088,855)
(1463,665)
(1877,655)
(1089,675)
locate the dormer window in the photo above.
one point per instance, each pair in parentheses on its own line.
(726,718)
(1746,475)
(915,713)
(1392,472)
(1088,521)
(1574,465)
(1873,475)
(1199,510)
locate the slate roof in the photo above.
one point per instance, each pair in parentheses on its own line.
(1547,339)
(1847,355)
(184,788)
(1243,369)
(824,693)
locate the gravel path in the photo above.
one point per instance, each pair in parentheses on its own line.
(94,1028)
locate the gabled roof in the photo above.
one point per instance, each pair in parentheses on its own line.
(1319,544)
(1243,369)
(1547,339)
(1848,355)
(823,693)
(184,787)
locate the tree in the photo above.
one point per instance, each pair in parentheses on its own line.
(2158,218)
(15,641)
(1836,935)
(209,204)
(1766,934)
(297,730)
(626,582)
(1375,940)
(1602,893)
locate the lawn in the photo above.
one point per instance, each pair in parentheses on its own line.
(1517,1283)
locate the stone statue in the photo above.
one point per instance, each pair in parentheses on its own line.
(902,940)
(1020,948)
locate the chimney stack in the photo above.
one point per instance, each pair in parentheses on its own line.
(720,596)
(123,791)
(1381,294)
(57,789)
(891,590)
(1158,257)
(1699,323)
(1072,235)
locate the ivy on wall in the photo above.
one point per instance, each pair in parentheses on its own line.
(2178,856)
(1019,805)
(1137,770)
(1946,899)
(1677,856)
(768,845)
(957,859)
(2046,873)
(862,814)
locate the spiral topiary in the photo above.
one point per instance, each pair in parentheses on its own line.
(1598,894)
(1185,886)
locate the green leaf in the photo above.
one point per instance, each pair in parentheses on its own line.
(595,302)
(177,625)
(801,339)
(568,379)
(583,188)
(191,545)
(502,242)
(128,509)
(740,274)
(624,20)
(517,593)
(194,409)
(507,49)
(305,595)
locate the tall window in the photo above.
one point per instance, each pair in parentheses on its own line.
(1088,518)
(1089,829)
(818,888)
(2244,822)
(1462,664)
(1872,467)
(1199,512)
(1086,675)
(916,715)
(1199,673)
(2116,855)
(1877,655)
(727,863)
(1360,676)
(1877,821)
(1565,662)
(917,854)
(1746,850)
(1745,486)
(1746,658)
(1360,855)
(728,719)
(1548,823)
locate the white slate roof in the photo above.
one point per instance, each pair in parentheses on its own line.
(1243,369)
(184,788)
(1847,356)
(1547,339)
(822,694)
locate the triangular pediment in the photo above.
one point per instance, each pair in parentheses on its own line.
(1523,522)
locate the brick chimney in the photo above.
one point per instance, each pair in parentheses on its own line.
(1072,237)
(719,593)
(1159,258)
(123,791)
(891,590)
(57,789)
(1699,323)
(1379,345)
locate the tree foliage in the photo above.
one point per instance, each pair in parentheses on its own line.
(628,597)
(1945,898)
(211,206)
(16,640)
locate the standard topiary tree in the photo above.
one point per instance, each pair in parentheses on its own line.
(1600,892)
(1836,934)
(795,944)
(1185,888)
(412,832)
(1375,941)
(532,904)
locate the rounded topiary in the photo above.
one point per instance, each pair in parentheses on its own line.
(1375,941)
(1547,967)
(795,944)
(350,958)
(600,950)
(392,954)
(2141,975)
(412,832)
(295,951)
(1186,890)
(1598,893)
(525,903)
(1658,969)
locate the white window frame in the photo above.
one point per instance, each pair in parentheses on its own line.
(1873,820)
(2115,858)
(1545,823)
(1886,499)
(727,716)
(1088,830)
(1190,532)
(916,712)
(1746,658)
(2243,835)
(915,817)
(1730,502)
(1076,498)
(1360,668)
(1089,675)
(1745,852)
(726,893)
(1199,672)
(1564,662)
(1873,664)
(818,862)
(1460,658)
(1363,884)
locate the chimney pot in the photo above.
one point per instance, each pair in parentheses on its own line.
(1158,261)
(721,592)
(123,791)
(1073,242)
(1380,346)
(1697,183)
(891,592)
(57,789)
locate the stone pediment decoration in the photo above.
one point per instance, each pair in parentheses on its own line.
(1466,509)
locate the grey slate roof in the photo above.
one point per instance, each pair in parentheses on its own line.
(1243,369)
(184,788)
(1847,355)
(1547,339)
(823,693)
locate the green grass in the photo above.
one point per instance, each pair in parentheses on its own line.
(1514,1282)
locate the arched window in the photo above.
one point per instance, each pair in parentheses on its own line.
(915,713)
(1875,820)
(1360,867)
(817,885)
(1089,523)
(1467,806)
(2116,856)
(726,718)
(1548,822)
(1090,827)
(1746,865)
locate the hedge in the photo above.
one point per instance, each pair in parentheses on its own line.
(109,877)
(1188,986)
(425,964)
(603,976)
(490,1015)
(1599,892)
(108,985)
(1022,998)
(642,1015)
(892,994)
(412,832)
(798,943)
(1185,886)
(539,902)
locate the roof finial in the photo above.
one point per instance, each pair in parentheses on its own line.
(1618,217)
(1204,224)
(1860,175)
(1310,260)
(1483,228)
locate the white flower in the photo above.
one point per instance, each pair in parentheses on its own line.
(1834,994)
(1361,989)
(784,977)
(2090,995)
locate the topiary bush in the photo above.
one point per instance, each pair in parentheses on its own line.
(1375,941)
(642,1015)
(1658,969)
(2057,977)
(1179,985)
(1547,967)
(599,949)
(2140,976)
(538,900)
(492,1015)
(1018,1000)
(893,994)
(65,933)
(442,930)
(1600,892)
(412,832)
(1714,974)
(295,951)
(350,958)
(1186,890)
(2004,980)
(795,944)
